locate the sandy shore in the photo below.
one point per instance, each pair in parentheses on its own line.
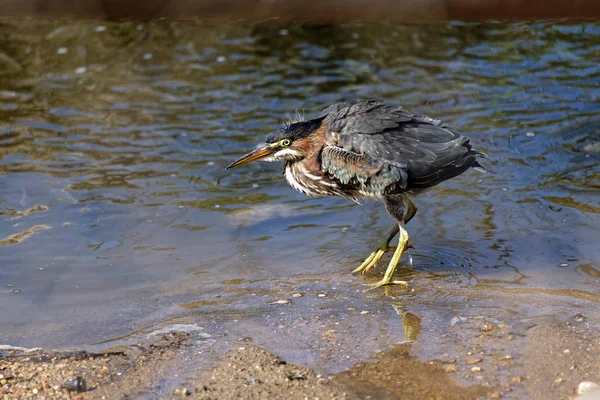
(556,357)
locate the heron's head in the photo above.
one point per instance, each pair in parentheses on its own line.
(290,143)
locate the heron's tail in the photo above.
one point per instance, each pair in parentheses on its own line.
(481,156)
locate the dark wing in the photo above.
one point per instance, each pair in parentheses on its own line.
(408,150)
(364,173)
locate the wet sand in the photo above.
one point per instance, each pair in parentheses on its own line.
(499,361)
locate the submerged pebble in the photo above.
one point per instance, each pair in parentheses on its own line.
(456,320)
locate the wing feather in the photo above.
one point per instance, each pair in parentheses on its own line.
(369,176)
(417,150)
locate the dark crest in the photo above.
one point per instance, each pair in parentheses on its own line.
(295,131)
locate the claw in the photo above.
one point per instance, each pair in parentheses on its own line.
(370,261)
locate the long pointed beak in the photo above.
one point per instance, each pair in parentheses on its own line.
(261,152)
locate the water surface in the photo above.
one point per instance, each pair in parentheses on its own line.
(116,214)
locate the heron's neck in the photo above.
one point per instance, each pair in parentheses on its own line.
(298,176)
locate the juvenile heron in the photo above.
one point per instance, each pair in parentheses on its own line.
(369,149)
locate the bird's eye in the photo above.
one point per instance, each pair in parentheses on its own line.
(286,142)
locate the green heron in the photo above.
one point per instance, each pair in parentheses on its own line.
(369,149)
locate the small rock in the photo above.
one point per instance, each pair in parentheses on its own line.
(282,301)
(183,392)
(253,380)
(506,357)
(516,379)
(329,334)
(476,369)
(297,295)
(495,395)
(364,312)
(558,381)
(322,295)
(76,384)
(296,376)
(486,328)
(450,368)
(586,386)
(579,317)
(351,308)
(474,361)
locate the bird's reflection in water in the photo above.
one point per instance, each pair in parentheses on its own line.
(411,323)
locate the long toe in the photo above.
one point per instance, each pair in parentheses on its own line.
(370,261)
(383,282)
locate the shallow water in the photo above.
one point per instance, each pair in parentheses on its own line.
(116,214)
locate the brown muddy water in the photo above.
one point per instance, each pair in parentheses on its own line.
(117,217)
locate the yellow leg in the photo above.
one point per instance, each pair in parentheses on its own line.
(377,254)
(387,278)
(384,246)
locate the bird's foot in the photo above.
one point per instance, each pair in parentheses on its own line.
(385,282)
(375,257)
(372,260)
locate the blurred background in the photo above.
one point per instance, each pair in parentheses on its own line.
(116,213)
